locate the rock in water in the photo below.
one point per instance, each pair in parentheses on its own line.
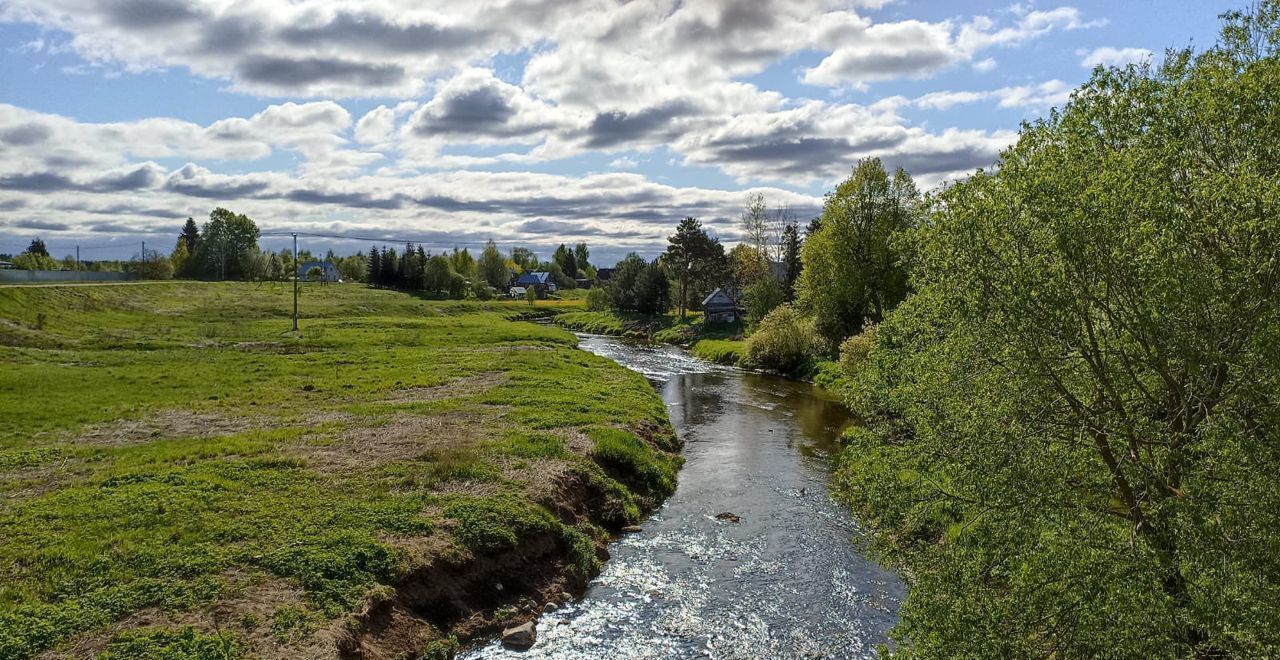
(631,529)
(521,636)
(728,517)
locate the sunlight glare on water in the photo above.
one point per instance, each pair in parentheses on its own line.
(788,581)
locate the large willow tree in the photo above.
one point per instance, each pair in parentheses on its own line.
(1075,444)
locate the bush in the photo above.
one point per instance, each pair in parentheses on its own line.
(457,286)
(30,261)
(855,350)
(597,300)
(154,267)
(482,290)
(785,342)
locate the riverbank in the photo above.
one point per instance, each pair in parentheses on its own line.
(716,342)
(782,577)
(723,344)
(178,471)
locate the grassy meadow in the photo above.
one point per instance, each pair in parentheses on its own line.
(181,476)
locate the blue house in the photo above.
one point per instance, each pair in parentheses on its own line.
(540,281)
(328,271)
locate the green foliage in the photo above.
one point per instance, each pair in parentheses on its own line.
(854,270)
(784,342)
(720,351)
(482,290)
(581,256)
(652,474)
(490,524)
(353,268)
(524,259)
(437,274)
(762,297)
(598,300)
(1074,441)
(440,649)
(791,260)
(639,286)
(492,267)
(596,323)
(37,248)
(695,260)
(164,644)
(180,259)
(463,263)
(152,266)
(828,375)
(33,261)
(856,350)
(564,257)
(226,245)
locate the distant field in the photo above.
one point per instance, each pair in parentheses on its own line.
(181,476)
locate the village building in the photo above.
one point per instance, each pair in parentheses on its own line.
(539,281)
(328,271)
(720,307)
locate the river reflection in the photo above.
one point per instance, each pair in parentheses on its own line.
(787,581)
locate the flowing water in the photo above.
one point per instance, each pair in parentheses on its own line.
(786,581)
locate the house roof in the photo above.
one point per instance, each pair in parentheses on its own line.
(540,277)
(603,274)
(718,298)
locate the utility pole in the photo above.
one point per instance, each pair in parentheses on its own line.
(77,257)
(295,281)
(144,250)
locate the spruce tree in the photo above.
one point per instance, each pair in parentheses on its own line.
(375,267)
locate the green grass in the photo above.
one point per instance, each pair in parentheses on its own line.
(162,441)
(720,351)
(666,328)
(184,644)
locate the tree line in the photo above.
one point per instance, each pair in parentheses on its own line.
(761,271)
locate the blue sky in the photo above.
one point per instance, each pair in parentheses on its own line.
(530,122)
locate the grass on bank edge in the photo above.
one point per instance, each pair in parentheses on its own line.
(169,448)
(721,343)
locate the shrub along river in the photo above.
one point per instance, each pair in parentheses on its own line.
(786,580)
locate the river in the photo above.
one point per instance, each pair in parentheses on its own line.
(786,581)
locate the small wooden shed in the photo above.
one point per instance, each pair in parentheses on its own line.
(720,307)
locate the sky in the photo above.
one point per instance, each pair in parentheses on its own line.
(528,122)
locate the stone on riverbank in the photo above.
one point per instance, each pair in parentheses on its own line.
(521,636)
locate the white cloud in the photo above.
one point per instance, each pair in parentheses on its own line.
(1108,56)
(1045,95)
(862,52)
(648,81)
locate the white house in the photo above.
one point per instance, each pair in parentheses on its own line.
(328,271)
